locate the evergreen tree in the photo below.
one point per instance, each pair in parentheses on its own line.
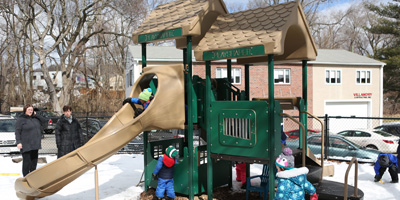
(389,24)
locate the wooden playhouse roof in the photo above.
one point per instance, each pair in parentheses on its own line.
(178,19)
(251,35)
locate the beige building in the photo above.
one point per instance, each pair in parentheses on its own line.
(347,84)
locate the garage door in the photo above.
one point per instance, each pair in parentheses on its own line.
(348,109)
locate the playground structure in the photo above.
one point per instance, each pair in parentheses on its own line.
(234,127)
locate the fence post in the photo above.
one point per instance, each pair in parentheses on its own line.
(326,136)
(87,126)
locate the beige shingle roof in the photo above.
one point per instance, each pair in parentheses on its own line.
(193,16)
(281,29)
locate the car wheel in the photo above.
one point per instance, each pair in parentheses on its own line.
(370,146)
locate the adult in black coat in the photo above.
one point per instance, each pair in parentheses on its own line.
(68,133)
(28,136)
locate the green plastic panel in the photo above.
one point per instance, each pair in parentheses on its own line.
(260,145)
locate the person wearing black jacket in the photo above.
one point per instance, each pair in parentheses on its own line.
(28,136)
(68,133)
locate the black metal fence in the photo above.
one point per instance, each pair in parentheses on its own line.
(345,137)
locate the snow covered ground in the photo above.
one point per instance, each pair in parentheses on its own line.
(119,175)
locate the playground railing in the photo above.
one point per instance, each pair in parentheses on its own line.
(353,160)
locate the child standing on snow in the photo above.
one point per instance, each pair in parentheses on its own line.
(292,182)
(386,160)
(144,100)
(165,171)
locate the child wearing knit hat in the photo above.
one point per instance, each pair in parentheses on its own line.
(292,182)
(144,100)
(165,171)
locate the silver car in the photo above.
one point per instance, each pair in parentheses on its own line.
(8,143)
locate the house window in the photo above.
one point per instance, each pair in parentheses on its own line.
(236,74)
(363,77)
(333,76)
(282,76)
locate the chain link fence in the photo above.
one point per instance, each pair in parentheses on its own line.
(347,137)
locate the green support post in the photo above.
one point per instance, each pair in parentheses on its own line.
(208,125)
(271,124)
(145,133)
(303,116)
(229,70)
(229,73)
(247,81)
(185,142)
(189,86)
(247,89)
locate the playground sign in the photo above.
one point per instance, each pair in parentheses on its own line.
(234,53)
(168,34)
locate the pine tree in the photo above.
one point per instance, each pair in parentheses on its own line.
(389,24)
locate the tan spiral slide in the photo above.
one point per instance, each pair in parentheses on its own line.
(166,111)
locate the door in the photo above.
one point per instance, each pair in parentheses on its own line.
(348,109)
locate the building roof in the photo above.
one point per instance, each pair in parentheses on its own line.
(157,53)
(325,56)
(343,57)
(280,29)
(178,19)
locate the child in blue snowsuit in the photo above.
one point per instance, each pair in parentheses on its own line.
(386,160)
(165,171)
(292,182)
(144,100)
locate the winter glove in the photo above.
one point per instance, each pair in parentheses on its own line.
(377,178)
(127,100)
(314,197)
(154,177)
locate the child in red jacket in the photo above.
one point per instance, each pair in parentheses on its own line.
(165,171)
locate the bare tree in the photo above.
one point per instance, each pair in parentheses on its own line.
(57,27)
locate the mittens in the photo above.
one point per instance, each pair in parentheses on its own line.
(127,100)
(314,197)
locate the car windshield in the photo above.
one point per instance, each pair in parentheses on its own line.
(7,125)
(383,133)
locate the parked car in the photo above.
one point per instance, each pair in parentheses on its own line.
(8,143)
(295,134)
(374,139)
(339,148)
(52,119)
(90,127)
(390,127)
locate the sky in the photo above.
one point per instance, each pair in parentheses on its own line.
(119,175)
(336,5)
